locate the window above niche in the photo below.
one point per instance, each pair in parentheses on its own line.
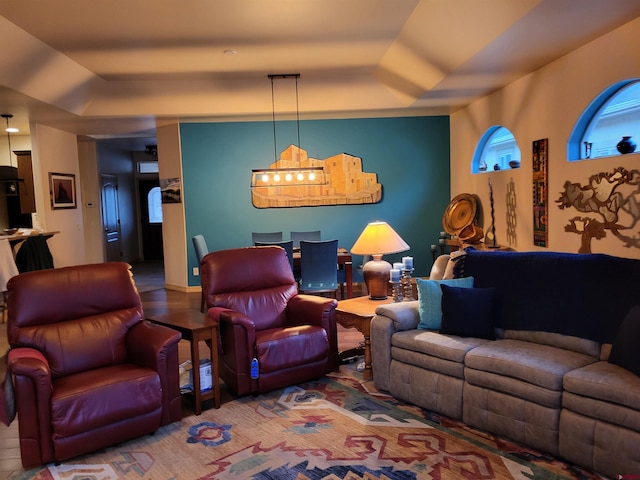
(613,114)
(496,150)
(148,167)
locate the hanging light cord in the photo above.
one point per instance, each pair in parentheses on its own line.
(273,116)
(298,112)
(273,110)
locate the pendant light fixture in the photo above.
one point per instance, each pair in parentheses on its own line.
(294,174)
(10,184)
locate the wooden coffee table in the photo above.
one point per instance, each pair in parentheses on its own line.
(357,313)
(193,326)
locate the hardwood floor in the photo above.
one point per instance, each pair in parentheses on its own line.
(154,301)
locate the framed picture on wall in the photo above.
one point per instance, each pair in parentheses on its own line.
(62,188)
(171,190)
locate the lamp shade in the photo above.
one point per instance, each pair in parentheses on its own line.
(377,239)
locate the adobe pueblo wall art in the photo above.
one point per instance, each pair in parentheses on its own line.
(295,180)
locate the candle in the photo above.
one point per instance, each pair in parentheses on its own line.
(395,275)
(407,263)
(398,266)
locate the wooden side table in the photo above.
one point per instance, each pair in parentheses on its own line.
(357,313)
(193,326)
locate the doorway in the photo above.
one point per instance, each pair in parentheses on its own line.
(151,219)
(111,217)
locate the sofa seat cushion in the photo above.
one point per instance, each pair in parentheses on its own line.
(606,392)
(566,342)
(282,348)
(433,351)
(540,365)
(96,398)
(447,347)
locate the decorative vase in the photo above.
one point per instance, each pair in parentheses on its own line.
(626,145)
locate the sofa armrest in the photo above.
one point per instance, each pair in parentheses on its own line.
(156,347)
(404,315)
(33,389)
(389,319)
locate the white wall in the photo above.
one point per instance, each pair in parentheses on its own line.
(546,104)
(57,151)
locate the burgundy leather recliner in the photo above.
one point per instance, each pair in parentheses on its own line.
(89,372)
(252,294)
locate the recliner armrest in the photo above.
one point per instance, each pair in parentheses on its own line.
(33,388)
(147,343)
(311,310)
(243,328)
(156,347)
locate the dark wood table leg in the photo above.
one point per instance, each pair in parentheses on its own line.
(195,369)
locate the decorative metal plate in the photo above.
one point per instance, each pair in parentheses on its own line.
(459,213)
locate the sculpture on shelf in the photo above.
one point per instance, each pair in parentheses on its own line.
(614,198)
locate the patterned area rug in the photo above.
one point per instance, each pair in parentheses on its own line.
(329,429)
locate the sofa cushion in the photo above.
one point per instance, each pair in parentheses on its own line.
(430,300)
(468,312)
(605,381)
(567,342)
(96,398)
(513,387)
(448,347)
(537,364)
(281,348)
(624,350)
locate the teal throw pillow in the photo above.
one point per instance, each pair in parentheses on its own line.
(430,299)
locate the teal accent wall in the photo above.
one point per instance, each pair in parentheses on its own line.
(410,155)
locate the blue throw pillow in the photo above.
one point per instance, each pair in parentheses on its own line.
(624,349)
(468,312)
(430,299)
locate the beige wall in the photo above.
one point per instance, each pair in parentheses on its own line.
(91,202)
(546,104)
(174,228)
(57,151)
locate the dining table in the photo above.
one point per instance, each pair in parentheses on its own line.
(344,261)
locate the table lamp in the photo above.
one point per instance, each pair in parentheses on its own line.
(377,239)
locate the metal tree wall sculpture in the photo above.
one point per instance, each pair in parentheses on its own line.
(615,199)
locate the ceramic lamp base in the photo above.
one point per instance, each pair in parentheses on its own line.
(376,277)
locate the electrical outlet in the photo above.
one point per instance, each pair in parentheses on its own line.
(196,271)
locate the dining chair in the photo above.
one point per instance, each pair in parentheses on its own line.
(287,245)
(319,266)
(200,245)
(266,237)
(314,235)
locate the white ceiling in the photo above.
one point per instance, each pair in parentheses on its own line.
(106,68)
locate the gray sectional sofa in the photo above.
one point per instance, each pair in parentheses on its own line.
(558,371)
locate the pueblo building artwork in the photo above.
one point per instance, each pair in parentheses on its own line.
(295,180)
